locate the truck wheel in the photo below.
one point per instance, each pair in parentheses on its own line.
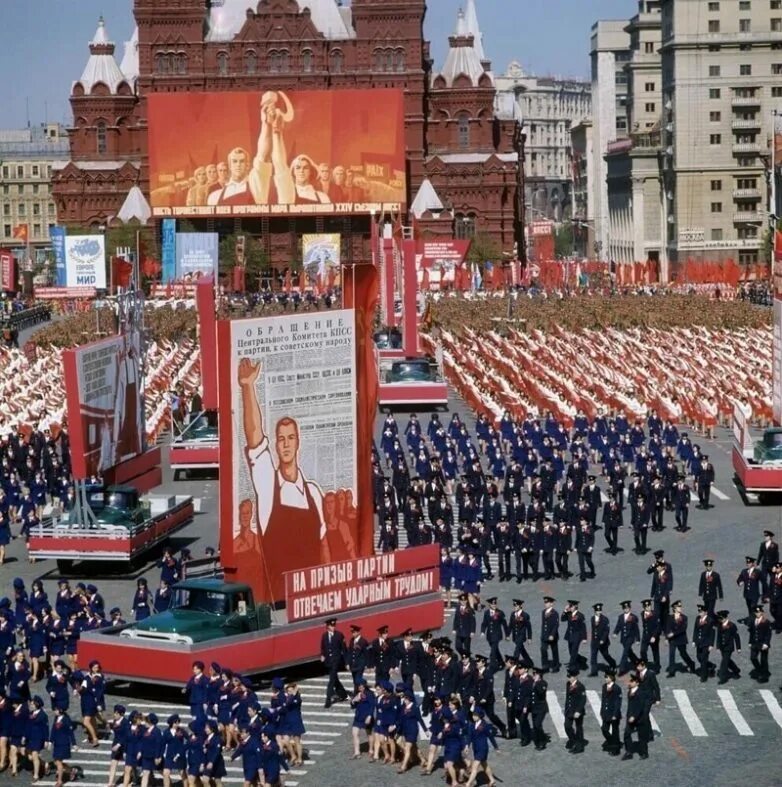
(765,498)
(64,566)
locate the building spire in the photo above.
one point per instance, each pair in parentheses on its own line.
(473,28)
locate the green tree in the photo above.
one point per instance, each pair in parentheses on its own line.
(767,249)
(255,256)
(563,241)
(483,248)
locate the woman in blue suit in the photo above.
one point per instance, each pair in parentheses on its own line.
(37,735)
(214,764)
(62,740)
(480,734)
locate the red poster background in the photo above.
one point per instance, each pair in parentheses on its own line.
(361,130)
(7,272)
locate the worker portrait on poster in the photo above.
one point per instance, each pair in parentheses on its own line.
(105,402)
(276,152)
(294,442)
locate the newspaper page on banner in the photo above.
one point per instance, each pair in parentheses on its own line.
(294,440)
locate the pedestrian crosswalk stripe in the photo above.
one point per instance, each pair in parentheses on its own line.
(694,497)
(739,722)
(719,494)
(594,701)
(655,725)
(555,711)
(772,704)
(688,713)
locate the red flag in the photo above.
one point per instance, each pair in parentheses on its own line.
(778,245)
(239,282)
(122,272)
(150,268)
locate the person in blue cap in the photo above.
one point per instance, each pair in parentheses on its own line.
(37,736)
(480,734)
(385,729)
(278,705)
(18,677)
(118,726)
(194,755)
(150,749)
(17,733)
(363,703)
(133,748)
(174,746)
(294,723)
(36,636)
(453,739)
(435,733)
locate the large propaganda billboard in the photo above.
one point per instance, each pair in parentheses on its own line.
(105,402)
(288,445)
(276,152)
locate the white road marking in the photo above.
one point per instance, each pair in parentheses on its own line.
(719,494)
(739,722)
(688,713)
(655,725)
(693,497)
(772,704)
(555,711)
(603,496)
(595,702)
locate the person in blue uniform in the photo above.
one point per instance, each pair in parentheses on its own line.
(37,736)
(272,761)
(214,764)
(5,535)
(637,720)
(759,645)
(629,633)
(703,640)
(539,708)
(453,743)
(89,694)
(249,749)
(710,586)
(728,643)
(549,635)
(163,597)
(387,712)
(495,628)
(611,714)
(332,652)
(480,734)
(600,640)
(575,632)
(676,634)
(118,727)
(752,583)
(464,625)
(294,723)
(195,757)
(17,733)
(151,749)
(197,689)
(363,703)
(62,739)
(18,677)
(520,632)
(356,654)
(142,600)
(575,705)
(409,722)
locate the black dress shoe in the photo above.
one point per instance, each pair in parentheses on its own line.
(627,756)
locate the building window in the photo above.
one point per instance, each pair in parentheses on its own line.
(714,6)
(745,70)
(649,107)
(716,185)
(336,61)
(714,47)
(51,209)
(748,257)
(100,133)
(714,25)
(745,5)
(715,117)
(36,230)
(715,139)
(306,61)
(463,130)
(649,87)
(399,60)
(745,161)
(465,227)
(7,209)
(715,92)
(36,171)
(747,183)
(716,207)
(36,209)
(649,47)
(776,25)
(716,233)
(775,4)
(21,209)
(250,63)
(714,71)
(5,172)
(20,171)
(7,230)
(745,26)
(776,92)
(222,64)
(746,233)
(278,61)
(776,68)
(181,63)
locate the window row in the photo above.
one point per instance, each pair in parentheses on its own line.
(22,209)
(278,61)
(21,171)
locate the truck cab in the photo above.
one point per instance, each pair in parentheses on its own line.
(204,609)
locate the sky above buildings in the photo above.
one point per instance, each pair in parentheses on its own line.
(44,43)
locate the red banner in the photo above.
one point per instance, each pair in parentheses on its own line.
(442,252)
(207,334)
(7,271)
(353,584)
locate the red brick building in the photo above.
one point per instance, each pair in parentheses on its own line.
(462,160)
